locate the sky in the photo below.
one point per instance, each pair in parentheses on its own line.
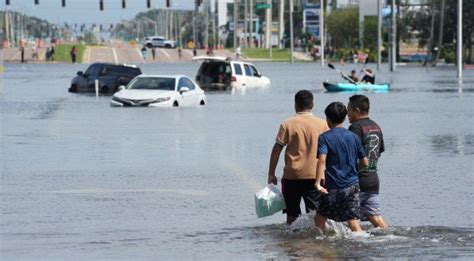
(87,11)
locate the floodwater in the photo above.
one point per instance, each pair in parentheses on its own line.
(82,180)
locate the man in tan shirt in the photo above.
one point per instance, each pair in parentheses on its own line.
(300,135)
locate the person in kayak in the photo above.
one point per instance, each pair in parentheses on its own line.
(351,78)
(369,76)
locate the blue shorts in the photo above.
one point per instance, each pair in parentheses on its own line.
(369,205)
(341,204)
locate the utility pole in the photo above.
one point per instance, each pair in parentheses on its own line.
(206,22)
(281,24)
(268,26)
(393,52)
(194,25)
(291,32)
(321,32)
(379,34)
(246,10)
(251,23)
(270,22)
(459,41)
(441,33)
(236,12)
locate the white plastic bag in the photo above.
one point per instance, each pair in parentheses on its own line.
(269,201)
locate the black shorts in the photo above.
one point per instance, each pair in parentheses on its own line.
(294,190)
(341,204)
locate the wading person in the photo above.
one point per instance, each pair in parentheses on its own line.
(370,134)
(336,178)
(299,134)
(153,52)
(144,53)
(73,54)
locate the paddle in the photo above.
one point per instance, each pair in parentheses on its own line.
(343,74)
(365,63)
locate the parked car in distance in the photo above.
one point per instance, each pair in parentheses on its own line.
(110,77)
(159,91)
(159,41)
(221,73)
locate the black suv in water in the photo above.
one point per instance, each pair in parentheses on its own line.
(110,77)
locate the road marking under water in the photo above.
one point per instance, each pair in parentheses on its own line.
(115,55)
(167,55)
(140,55)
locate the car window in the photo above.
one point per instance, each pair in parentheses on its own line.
(93,69)
(237,69)
(152,83)
(254,71)
(190,84)
(248,72)
(181,83)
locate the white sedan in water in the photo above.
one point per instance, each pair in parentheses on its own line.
(159,91)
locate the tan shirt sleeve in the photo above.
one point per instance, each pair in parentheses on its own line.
(282,136)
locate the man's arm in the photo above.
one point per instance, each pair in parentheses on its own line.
(274,157)
(320,168)
(363,163)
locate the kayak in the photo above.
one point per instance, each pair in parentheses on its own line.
(340,87)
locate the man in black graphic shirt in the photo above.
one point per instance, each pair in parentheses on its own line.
(371,137)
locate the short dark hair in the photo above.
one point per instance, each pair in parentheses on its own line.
(304,99)
(336,112)
(353,71)
(360,102)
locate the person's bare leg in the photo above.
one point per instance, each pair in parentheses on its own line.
(354,225)
(320,222)
(378,221)
(290,219)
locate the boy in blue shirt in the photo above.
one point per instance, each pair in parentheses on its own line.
(336,173)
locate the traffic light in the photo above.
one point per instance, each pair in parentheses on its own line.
(101,5)
(37,2)
(168,4)
(7,2)
(124,5)
(198,2)
(63,3)
(148,3)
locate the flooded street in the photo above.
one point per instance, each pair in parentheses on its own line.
(82,180)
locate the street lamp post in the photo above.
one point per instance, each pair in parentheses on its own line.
(459,40)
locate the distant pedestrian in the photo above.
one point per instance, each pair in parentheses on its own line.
(179,52)
(52,53)
(194,51)
(34,52)
(22,50)
(73,54)
(48,54)
(153,52)
(144,52)
(237,52)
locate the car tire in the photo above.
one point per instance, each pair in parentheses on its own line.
(73,88)
(104,90)
(175,104)
(149,45)
(167,46)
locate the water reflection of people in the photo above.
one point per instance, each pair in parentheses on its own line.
(299,134)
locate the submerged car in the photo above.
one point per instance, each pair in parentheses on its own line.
(110,77)
(221,73)
(159,91)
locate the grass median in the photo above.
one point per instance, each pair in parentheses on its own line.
(63,52)
(276,55)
